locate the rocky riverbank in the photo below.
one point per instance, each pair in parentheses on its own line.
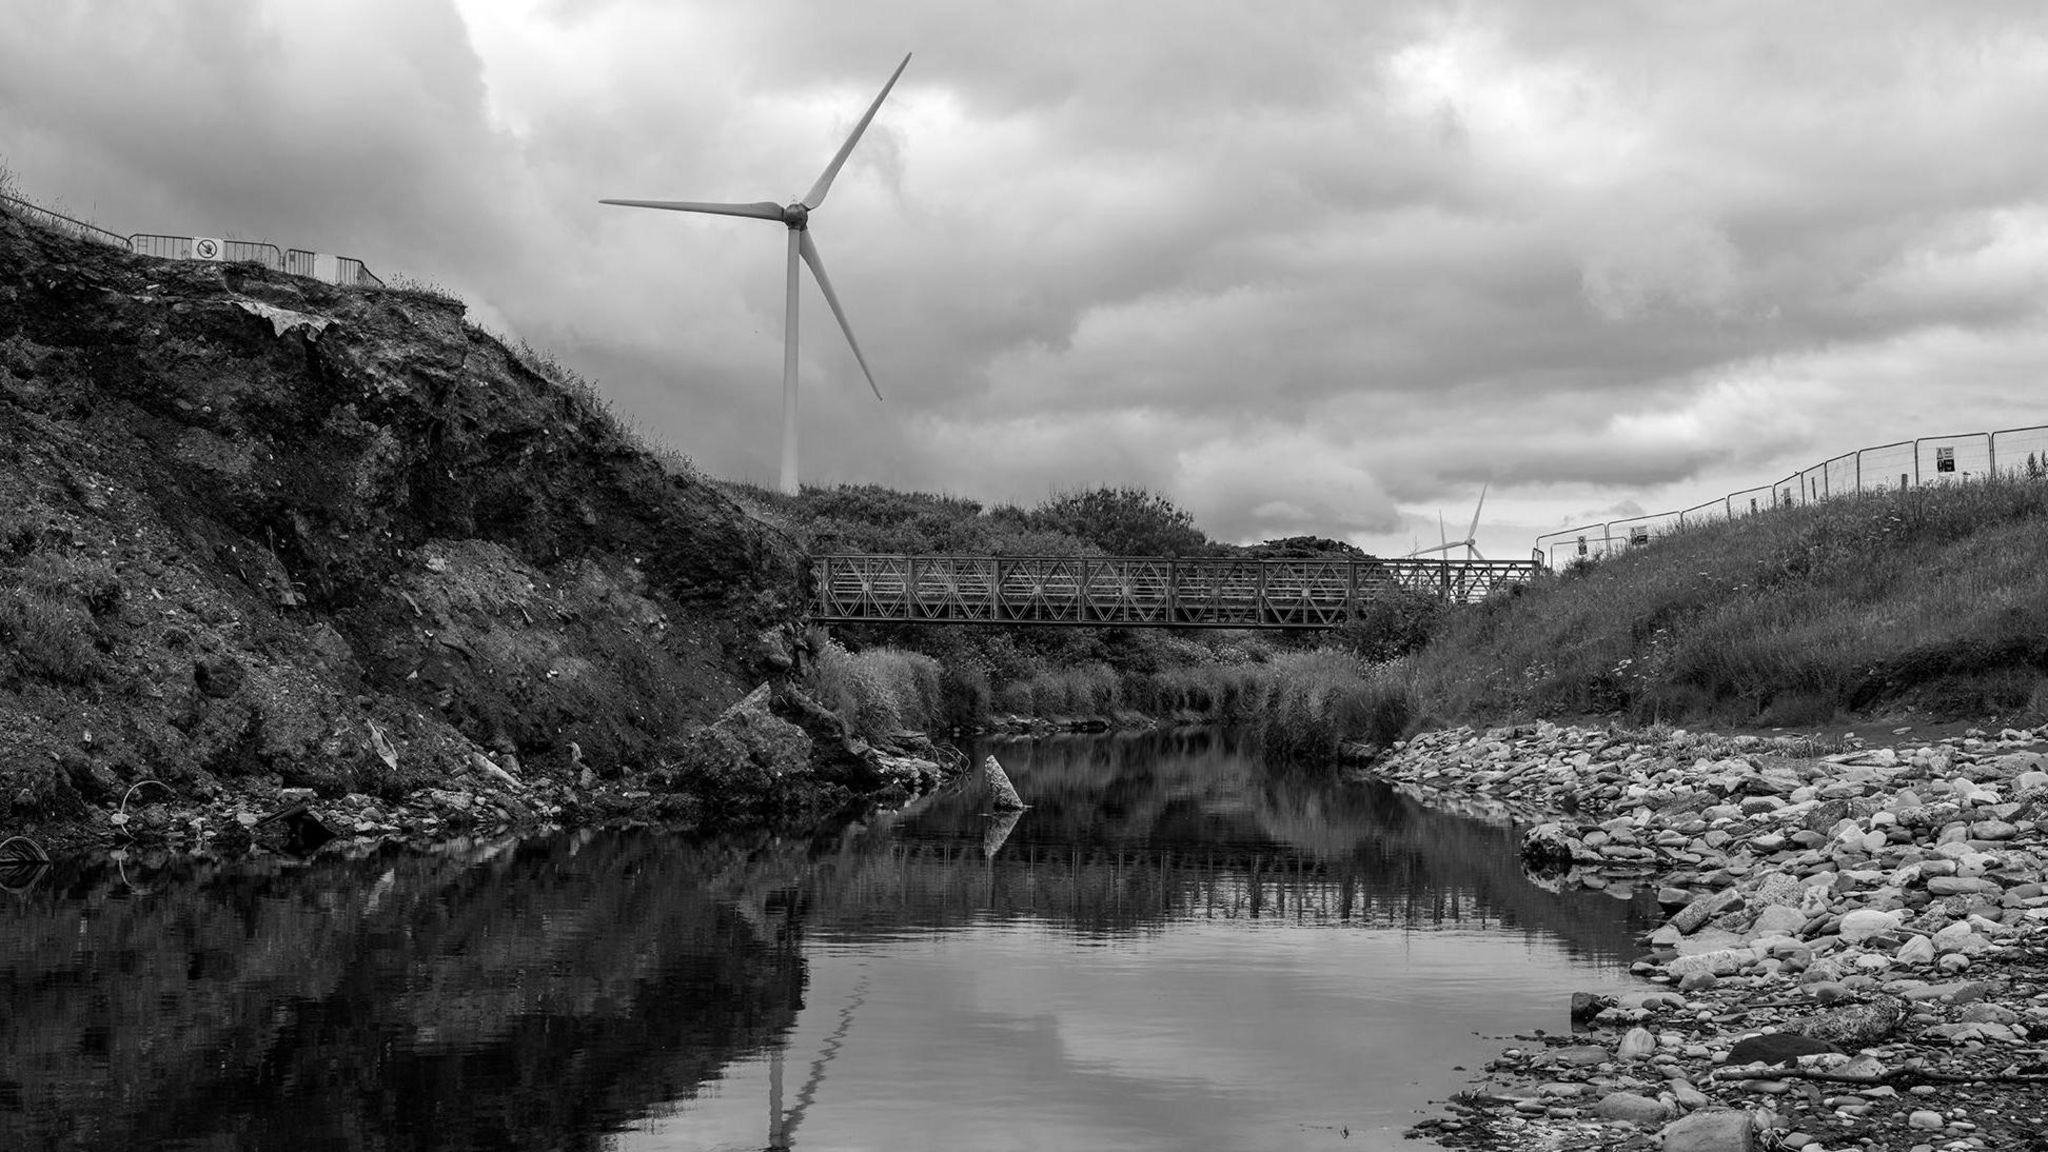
(773,757)
(1854,958)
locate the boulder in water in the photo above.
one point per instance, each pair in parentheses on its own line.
(1002,795)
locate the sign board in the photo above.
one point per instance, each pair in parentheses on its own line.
(207,248)
(326,267)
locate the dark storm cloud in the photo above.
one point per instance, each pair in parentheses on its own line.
(1301,268)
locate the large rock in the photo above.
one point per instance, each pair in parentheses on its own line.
(1551,846)
(1631,1106)
(1777,920)
(837,756)
(1864,923)
(1714,1130)
(1002,795)
(1776,1048)
(1689,918)
(1854,1026)
(748,760)
(1722,962)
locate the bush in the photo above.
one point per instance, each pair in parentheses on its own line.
(47,638)
(1391,625)
(879,691)
(1123,522)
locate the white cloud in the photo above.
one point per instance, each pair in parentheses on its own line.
(1299,269)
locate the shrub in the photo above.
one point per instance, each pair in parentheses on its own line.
(879,690)
(1123,522)
(47,638)
(66,576)
(1391,625)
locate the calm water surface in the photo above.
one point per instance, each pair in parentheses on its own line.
(1174,948)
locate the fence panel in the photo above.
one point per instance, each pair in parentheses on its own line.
(1750,501)
(268,255)
(1639,530)
(1886,466)
(1708,513)
(1589,541)
(1838,476)
(2021,451)
(1948,459)
(351,273)
(165,247)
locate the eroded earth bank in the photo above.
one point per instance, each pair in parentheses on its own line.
(266,542)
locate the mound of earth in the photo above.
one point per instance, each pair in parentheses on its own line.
(258,528)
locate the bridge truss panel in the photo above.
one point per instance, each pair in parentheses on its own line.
(1136,591)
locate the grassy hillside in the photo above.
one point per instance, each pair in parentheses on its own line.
(1934,599)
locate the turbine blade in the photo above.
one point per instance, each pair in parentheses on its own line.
(759,210)
(810,254)
(816,195)
(1473,531)
(1475,553)
(1443,537)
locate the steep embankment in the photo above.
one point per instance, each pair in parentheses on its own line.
(254,527)
(1932,601)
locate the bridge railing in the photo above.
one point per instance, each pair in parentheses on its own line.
(1135,591)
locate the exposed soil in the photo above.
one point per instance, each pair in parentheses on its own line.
(258,530)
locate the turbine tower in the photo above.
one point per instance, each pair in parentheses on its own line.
(1471,541)
(796,216)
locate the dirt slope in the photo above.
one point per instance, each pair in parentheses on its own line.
(245,518)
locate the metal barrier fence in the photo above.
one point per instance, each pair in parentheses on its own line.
(189,248)
(1903,464)
(58,222)
(333,269)
(342,270)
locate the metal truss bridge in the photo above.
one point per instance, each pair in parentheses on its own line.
(1135,591)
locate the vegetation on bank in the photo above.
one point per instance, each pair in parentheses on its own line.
(1303,694)
(1934,599)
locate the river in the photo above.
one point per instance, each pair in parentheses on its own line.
(1175,947)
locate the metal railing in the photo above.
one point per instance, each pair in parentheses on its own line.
(1136,591)
(342,270)
(1899,465)
(231,251)
(58,222)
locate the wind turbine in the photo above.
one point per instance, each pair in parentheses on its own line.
(1470,542)
(796,215)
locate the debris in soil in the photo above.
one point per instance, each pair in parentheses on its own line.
(1855,958)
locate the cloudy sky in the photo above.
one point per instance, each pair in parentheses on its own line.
(1320,267)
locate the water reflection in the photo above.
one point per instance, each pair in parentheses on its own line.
(506,996)
(1171,948)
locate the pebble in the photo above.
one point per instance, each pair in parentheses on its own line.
(1863,883)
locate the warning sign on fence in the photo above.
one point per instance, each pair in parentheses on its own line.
(206,248)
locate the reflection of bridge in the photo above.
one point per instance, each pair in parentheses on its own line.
(1136,591)
(1134,888)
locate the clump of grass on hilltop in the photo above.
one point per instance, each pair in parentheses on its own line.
(1935,598)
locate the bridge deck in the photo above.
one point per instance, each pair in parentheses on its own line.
(1135,591)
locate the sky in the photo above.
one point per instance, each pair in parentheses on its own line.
(1317,268)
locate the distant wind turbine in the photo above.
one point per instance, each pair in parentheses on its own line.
(1471,541)
(796,215)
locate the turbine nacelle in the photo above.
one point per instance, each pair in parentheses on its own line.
(796,215)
